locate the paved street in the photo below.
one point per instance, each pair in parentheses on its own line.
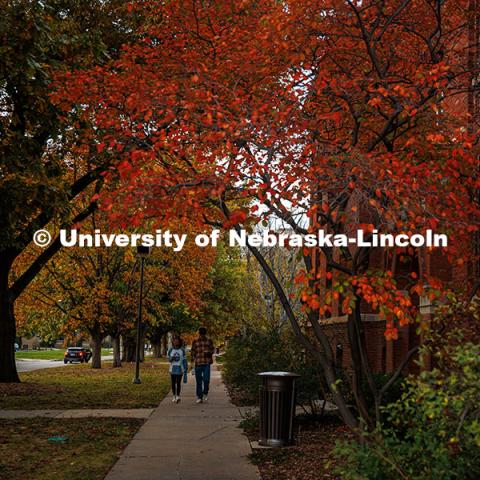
(187,441)
(28,365)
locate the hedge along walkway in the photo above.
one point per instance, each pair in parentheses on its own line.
(189,441)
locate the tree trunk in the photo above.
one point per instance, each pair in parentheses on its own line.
(324,357)
(8,368)
(164,347)
(96,351)
(156,346)
(117,362)
(158,339)
(359,366)
(128,349)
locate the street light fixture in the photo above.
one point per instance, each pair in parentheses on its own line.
(142,252)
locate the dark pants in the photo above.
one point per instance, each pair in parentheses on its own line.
(176,383)
(202,376)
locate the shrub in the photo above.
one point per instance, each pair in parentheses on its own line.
(393,394)
(256,352)
(433,430)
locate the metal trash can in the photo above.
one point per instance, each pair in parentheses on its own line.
(277,408)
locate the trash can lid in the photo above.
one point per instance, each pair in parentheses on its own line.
(278,374)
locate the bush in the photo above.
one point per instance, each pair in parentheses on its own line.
(256,352)
(250,422)
(433,430)
(393,394)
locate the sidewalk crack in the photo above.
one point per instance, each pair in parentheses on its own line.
(214,432)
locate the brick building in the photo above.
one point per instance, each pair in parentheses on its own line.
(386,355)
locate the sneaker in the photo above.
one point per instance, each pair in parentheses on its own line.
(205,398)
(198,400)
(174,399)
(178,398)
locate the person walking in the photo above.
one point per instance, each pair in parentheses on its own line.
(202,356)
(178,367)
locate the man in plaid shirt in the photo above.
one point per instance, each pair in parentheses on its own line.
(202,355)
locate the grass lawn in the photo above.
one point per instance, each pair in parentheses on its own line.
(56,354)
(93,446)
(80,386)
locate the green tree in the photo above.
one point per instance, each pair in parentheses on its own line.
(42,170)
(234,299)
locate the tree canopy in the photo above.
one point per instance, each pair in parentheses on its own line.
(348,114)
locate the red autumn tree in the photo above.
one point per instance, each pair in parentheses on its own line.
(340,112)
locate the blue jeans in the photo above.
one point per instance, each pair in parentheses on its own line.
(202,377)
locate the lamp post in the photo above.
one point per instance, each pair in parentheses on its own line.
(142,251)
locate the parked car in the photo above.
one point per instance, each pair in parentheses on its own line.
(77,354)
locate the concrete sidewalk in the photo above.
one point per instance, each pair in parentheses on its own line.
(78,413)
(188,441)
